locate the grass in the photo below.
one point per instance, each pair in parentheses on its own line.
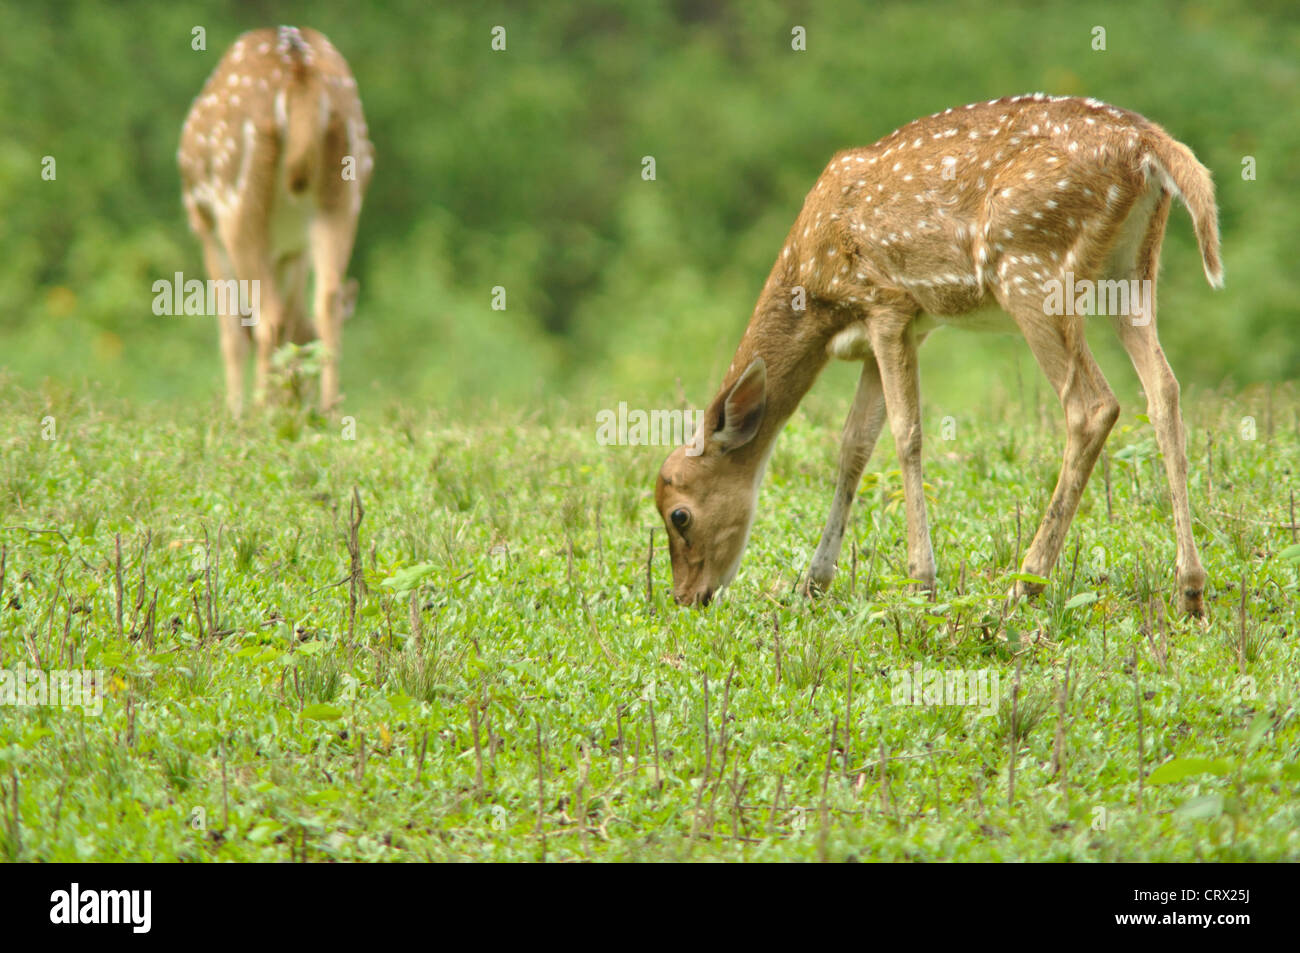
(469,667)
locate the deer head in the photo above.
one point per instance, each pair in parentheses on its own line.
(707,490)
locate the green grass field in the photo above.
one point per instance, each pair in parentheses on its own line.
(504,687)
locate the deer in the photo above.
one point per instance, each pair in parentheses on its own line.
(972,217)
(275,160)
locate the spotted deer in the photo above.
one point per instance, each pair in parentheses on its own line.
(963,218)
(275,160)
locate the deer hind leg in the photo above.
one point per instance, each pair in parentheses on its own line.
(894,341)
(246,234)
(1137,332)
(234,342)
(1059,346)
(331,246)
(252,262)
(861,429)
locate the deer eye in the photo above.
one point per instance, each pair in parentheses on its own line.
(681,518)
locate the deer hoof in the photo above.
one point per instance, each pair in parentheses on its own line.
(1191,591)
(1026,590)
(815,588)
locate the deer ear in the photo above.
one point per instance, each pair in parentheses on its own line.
(742,410)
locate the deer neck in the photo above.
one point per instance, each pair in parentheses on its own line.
(793,346)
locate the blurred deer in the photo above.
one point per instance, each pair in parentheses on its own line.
(275,161)
(1017,204)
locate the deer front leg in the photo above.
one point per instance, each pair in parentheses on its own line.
(1090,411)
(895,345)
(291,279)
(861,429)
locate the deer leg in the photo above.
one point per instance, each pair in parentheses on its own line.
(251,262)
(894,343)
(1139,338)
(331,246)
(292,277)
(861,429)
(234,344)
(268,321)
(247,237)
(1091,410)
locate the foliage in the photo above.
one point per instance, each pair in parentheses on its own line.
(247,718)
(522,169)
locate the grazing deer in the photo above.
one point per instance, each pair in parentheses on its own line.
(994,205)
(275,160)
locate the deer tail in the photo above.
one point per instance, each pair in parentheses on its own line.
(302,125)
(1185,177)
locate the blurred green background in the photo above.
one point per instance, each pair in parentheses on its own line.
(523,169)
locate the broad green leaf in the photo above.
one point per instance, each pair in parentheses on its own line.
(404,580)
(264,832)
(110,658)
(1029,577)
(1258,729)
(1202,808)
(322,712)
(1181,768)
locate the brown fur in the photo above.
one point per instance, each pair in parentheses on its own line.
(984,205)
(265,141)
